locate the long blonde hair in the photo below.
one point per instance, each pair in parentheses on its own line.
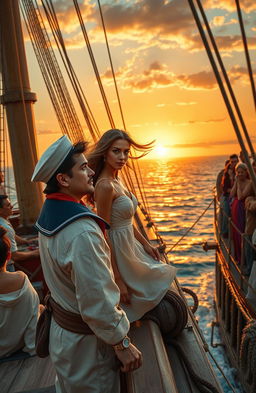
(96,156)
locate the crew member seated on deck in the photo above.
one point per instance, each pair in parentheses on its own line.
(16,256)
(19,306)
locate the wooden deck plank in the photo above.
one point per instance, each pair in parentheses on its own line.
(155,375)
(189,340)
(25,374)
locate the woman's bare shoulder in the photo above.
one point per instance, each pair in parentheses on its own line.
(105,185)
(13,282)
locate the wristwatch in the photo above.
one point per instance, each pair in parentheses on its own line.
(124,344)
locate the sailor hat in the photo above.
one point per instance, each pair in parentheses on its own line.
(52,158)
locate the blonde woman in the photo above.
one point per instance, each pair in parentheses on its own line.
(240,190)
(141,277)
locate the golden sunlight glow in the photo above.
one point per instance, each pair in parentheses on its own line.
(160,151)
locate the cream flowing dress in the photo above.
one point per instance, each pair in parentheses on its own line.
(147,279)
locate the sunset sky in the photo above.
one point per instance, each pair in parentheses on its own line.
(167,89)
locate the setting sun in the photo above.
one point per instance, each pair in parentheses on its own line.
(160,151)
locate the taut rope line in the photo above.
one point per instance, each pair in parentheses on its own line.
(192,226)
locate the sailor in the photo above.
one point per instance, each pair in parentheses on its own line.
(76,264)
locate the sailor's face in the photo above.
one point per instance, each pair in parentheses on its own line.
(81,182)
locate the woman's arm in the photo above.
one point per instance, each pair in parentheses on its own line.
(153,251)
(104,197)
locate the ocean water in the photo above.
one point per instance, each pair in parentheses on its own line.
(178,191)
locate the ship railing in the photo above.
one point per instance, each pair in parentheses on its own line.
(238,269)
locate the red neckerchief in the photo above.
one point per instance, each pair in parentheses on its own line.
(64,197)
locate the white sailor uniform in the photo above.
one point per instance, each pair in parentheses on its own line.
(76,265)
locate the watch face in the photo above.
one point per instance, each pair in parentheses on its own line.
(126,342)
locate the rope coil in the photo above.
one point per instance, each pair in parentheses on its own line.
(170,314)
(247,357)
(194,296)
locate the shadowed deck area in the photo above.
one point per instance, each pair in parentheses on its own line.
(27,374)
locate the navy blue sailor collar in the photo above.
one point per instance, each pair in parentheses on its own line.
(56,214)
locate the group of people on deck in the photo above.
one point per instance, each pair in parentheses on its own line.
(237,199)
(95,262)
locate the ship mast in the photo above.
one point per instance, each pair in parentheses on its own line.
(18,100)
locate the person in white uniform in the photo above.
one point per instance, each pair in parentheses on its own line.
(143,279)
(76,264)
(19,306)
(16,255)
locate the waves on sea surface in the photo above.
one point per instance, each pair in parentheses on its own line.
(178,192)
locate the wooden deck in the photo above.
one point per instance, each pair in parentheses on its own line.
(163,369)
(155,375)
(26,375)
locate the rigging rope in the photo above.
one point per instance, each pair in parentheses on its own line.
(2,117)
(138,178)
(202,385)
(57,89)
(205,345)
(51,72)
(126,171)
(192,226)
(84,105)
(111,64)
(222,372)
(223,92)
(246,51)
(225,75)
(96,71)
(127,176)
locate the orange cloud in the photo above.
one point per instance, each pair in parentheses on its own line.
(146,24)
(158,76)
(218,20)
(203,80)
(186,103)
(206,121)
(204,144)
(67,16)
(229,5)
